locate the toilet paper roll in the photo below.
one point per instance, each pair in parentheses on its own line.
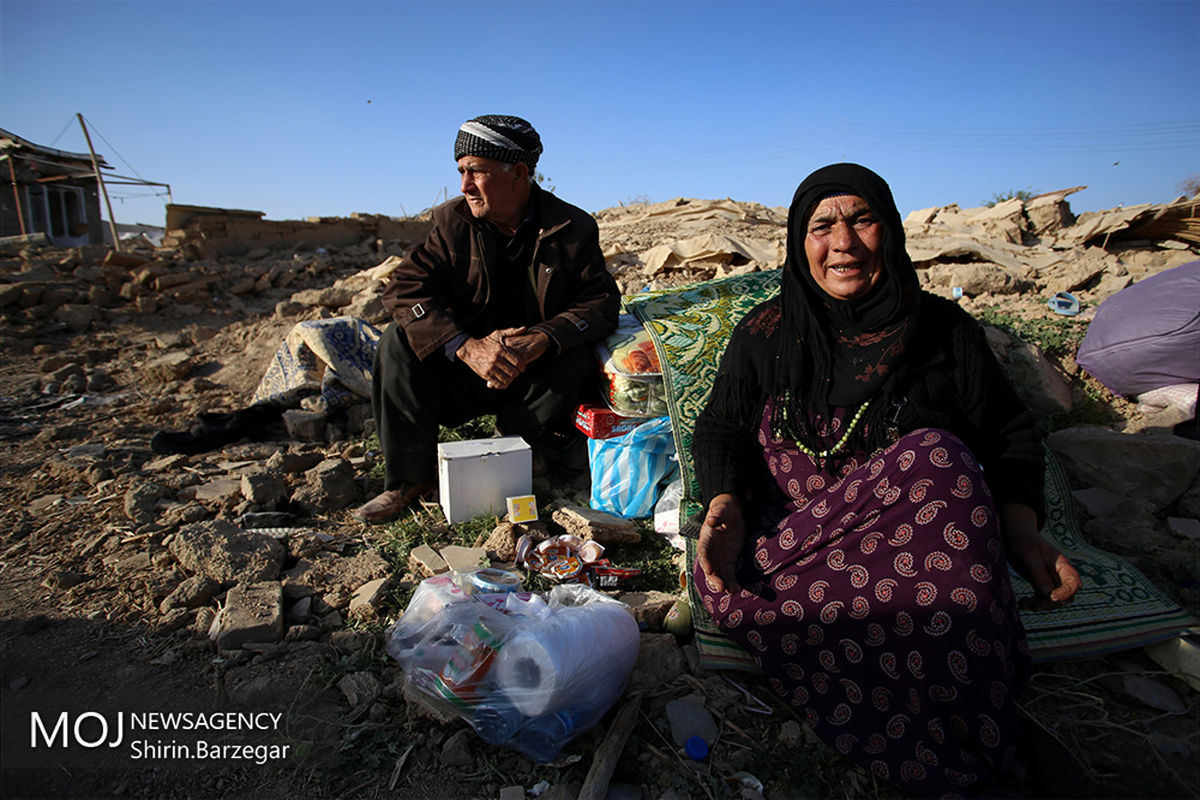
(579,657)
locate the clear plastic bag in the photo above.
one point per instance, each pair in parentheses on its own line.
(525,673)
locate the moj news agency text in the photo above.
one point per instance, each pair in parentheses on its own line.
(93,729)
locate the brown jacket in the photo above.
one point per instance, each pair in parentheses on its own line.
(443,287)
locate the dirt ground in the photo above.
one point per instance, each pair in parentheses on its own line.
(80,631)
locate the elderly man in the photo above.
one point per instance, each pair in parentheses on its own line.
(493,314)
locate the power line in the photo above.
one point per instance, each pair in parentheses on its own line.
(101,135)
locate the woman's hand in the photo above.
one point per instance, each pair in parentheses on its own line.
(720,544)
(1055,581)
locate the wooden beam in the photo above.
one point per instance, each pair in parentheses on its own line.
(595,785)
(112,222)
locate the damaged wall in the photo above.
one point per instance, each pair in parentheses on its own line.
(200,232)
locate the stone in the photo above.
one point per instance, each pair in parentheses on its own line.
(301,608)
(1109,286)
(456,750)
(976,279)
(174,619)
(368,597)
(291,463)
(329,572)
(1098,502)
(512,793)
(302,633)
(1184,528)
(305,426)
(605,528)
(1039,383)
(660,662)
(263,486)
(1154,467)
(43,503)
(463,559)
(171,463)
(328,486)
(1070,277)
(141,500)
(128,564)
(791,734)
(219,490)
(253,612)
(197,590)
(224,552)
(202,624)
(425,561)
(167,368)
(501,543)
(359,688)
(77,317)
(649,608)
(333,297)
(350,642)
(688,717)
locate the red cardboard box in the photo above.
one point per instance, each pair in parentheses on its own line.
(601,422)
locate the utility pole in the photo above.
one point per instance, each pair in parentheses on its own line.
(112,223)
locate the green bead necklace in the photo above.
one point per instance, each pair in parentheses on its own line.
(841,443)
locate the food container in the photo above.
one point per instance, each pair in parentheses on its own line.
(633,382)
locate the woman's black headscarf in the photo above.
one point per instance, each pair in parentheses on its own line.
(842,353)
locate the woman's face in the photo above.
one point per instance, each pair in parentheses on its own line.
(844,246)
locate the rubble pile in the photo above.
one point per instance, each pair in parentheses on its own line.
(190,275)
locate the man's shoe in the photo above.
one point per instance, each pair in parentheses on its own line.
(389,504)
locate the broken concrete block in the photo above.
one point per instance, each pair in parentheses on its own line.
(463,559)
(1185,528)
(1153,467)
(649,608)
(171,367)
(227,554)
(218,490)
(141,500)
(264,487)
(368,597)
(197,590)
(501,543)
(359,688)
(334,575)
(328,486)
(305,426)
(426,562)
(587,523)
(253,613)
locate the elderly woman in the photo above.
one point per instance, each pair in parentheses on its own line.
(869,474)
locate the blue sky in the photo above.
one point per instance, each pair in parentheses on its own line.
(305,109)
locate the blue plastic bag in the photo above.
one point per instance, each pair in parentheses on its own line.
(626,470)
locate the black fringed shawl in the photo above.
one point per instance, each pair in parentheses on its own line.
(920,361)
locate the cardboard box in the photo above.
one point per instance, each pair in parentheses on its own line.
(601,422)
(475,477)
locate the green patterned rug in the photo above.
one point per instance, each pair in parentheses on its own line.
(1117,608)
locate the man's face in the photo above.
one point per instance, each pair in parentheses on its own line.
(494,190)
(844,247)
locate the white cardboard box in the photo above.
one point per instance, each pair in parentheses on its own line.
(476,476)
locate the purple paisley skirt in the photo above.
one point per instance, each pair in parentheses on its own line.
(878,604)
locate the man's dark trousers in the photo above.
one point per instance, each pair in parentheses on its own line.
(411,398)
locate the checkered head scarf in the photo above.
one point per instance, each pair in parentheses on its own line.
(499,137)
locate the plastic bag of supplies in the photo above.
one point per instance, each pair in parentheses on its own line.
(626,470)
(527,673)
